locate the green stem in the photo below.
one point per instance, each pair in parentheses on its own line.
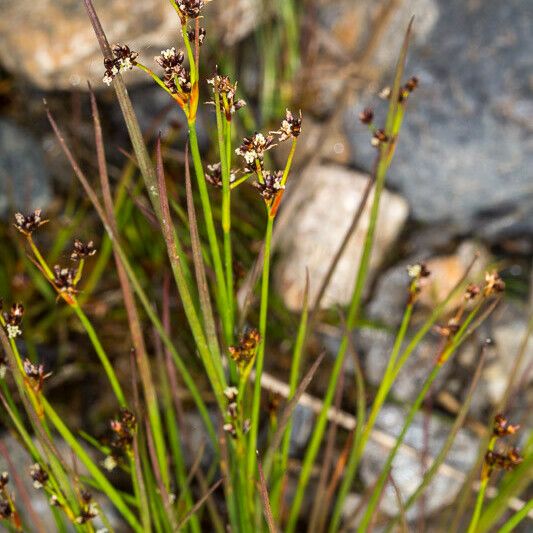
(360,443)
(485,477)
(260,358)
(221,294)
(99,349)
(511,524)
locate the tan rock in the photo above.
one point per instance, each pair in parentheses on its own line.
(53,45)
(328,198)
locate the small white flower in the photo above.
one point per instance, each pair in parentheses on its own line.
(414,270)
(231,393)
(110,463)
(168,53)
(13,331)
(3,370)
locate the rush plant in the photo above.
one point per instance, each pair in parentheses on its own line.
(243,485)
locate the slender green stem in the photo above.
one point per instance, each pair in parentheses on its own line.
(511,524)
(221,290)
(485,477)
(453,344)
(283,457)
(99,349)
(260,357)
(360,443)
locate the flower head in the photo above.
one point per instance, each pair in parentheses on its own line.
(502,427)
(271,185)
(493,284)
(82,250)
(244,352)
(290,127)
(189,8)
(123,59)
(227,91)
(65,279)
(252,149)
(27,224)
(177,78)
(201,36)
(13,320)
(214,175)
(38,475)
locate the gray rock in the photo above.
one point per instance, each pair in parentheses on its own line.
(464,154)
(24,180)
(52,43)
(407,471)
(328,198)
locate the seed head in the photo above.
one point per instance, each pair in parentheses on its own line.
(493,284)
(214,175)
(38,475)
(502,427)
(472,292)
(189,8)
(366,116)
(227,92)
(4,480)
(5,509)
(82,250)
(65,279)
(177,78)
(290,127)
(253,149)
(201,36)
(271,186)
(231,393)
(123,59)
(244,352)
(27,224)
(379,138)
(505,461)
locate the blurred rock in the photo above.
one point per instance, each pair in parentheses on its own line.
(328,198)
(24,179)
(464,154)
(508,331)
(407,466)
(52,43)
(302,428)
(346,51)
(386,309)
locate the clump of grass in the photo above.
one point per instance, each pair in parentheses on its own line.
(245,486)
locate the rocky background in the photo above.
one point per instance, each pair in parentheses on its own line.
(461,181)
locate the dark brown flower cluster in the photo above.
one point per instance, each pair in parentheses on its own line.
(244,352)
(123,59)
(189,8)
(252,150)
(418,273)
(505,461)
(227,91)
(35,374)
(6,505)
(38,475)
(408,88)
(177,78)
(82,250)
(191,34)
(214,175)
(502,427)
(291,127)
(13,319)
(27,224)
(89,509)
(65,279)
(511,458)
(494,284)
(271,185)
(122,434)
